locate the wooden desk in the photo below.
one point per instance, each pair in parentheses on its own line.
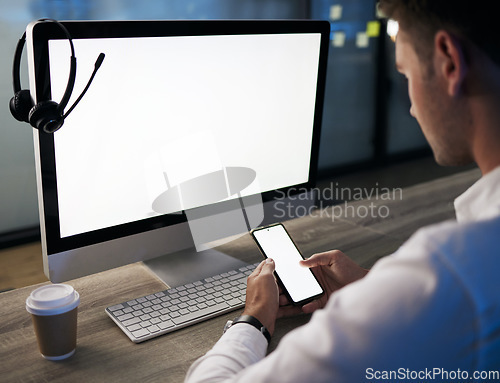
(104,353)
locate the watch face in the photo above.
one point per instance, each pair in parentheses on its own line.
(228,324)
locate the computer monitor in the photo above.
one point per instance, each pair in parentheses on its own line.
(191,132)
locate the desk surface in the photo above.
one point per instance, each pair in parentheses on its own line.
(104,353)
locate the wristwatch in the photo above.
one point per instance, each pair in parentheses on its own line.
(252,321)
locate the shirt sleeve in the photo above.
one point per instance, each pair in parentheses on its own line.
(391,321)
(241,346)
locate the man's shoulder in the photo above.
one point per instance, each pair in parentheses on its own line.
(454,238)
(467,251)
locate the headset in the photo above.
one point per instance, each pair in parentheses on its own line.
(47,116)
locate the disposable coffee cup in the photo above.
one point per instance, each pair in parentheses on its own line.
(54,309)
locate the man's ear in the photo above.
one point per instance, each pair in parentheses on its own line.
(450,59)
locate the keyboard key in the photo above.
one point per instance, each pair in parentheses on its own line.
(116,307)
(140,333)
(145,324)
(199,314)
(124,317)
(134,327)
(153,328)
(131,322)
(165,324)
(155,320)
(234,302)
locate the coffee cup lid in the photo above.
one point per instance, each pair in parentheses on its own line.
(52,299)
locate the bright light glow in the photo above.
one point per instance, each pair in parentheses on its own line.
(392,29)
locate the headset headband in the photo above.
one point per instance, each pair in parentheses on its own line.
(16,78)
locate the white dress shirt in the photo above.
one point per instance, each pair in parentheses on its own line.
(430,311)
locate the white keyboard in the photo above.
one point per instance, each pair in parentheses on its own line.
(169,310)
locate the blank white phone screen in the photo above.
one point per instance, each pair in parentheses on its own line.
(298,281)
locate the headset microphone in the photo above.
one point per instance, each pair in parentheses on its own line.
(47,116)
(97,65)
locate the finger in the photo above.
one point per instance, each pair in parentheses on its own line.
(283,300)
(268,266)
(258,269)
(311,307)
(287,311)
(321,259)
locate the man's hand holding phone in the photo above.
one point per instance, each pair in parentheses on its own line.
(297,283)
(334,270)
(304,285)
(262,295)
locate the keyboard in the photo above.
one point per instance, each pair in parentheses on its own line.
(169,310)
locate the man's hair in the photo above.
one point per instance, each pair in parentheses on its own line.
(473,20)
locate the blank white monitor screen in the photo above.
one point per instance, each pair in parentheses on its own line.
(174,108)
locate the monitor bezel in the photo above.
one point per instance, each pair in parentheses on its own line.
(42,32)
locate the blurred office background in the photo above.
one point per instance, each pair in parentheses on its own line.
(366,119)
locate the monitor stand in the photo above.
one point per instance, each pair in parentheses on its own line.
(188,265)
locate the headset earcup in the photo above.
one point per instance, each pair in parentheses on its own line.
(20,105)
(46,117)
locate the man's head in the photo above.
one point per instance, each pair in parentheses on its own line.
(474,20)
(440,48)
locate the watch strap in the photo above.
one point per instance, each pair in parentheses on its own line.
(251,320)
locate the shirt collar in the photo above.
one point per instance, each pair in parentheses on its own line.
(481,200)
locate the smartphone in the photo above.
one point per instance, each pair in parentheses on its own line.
(298,283)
